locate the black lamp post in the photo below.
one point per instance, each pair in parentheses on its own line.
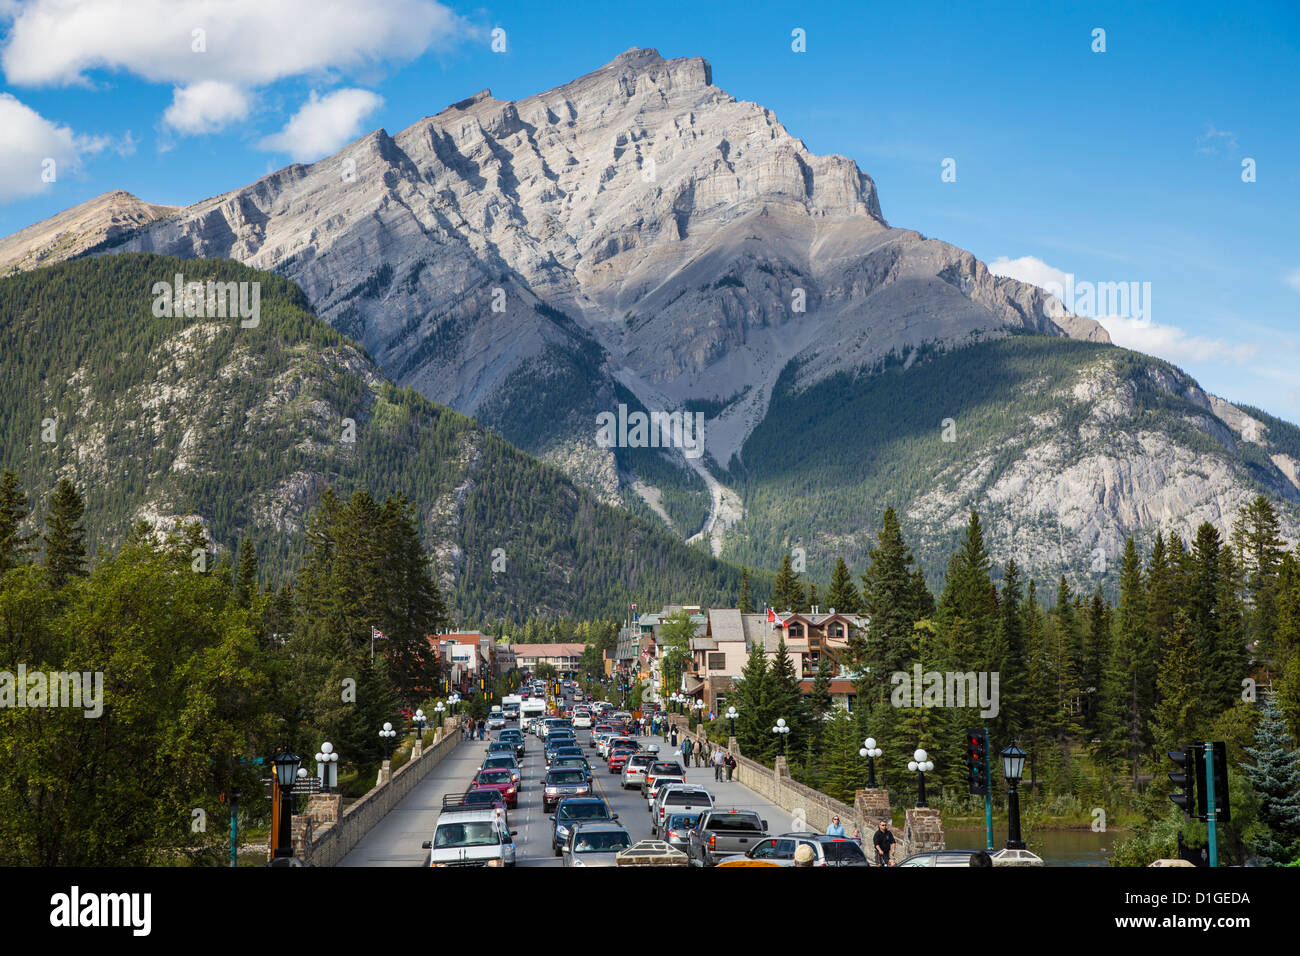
(920,764)
(871,752)
(732,714)
(781,730)
(1013,768)
(418,720)
(387,733)
(286,775)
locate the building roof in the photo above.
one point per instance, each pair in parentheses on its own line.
(549,650)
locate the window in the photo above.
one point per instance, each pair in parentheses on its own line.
(717,662)
(796,630)
(837,630)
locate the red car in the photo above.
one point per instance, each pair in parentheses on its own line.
(500,780)
(618,758)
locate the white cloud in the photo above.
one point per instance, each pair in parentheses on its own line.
(323,124)
(206,107)
(1173,344)
(1139,334)
(33,149)
(1293,279)
(196,44)
(1211,140)
(1028,269)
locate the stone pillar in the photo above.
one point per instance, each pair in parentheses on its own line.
(385,773)
(324,808)
(872,806)
(417,748)
(733,746)
(301,829)
(924,830)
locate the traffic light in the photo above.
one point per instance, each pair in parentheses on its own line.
(1185,779)
(977,760)
(1221,809)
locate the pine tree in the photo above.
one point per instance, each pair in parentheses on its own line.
(65,549)
(752,699)
(246,576)
(891,600)
(843,770)
(1257,537)
(1009,657)
(1179,713)
(812,598)
(969,594)
(842,595)
(1275,778)
(787,592)
(787,700)
(15,545)
(1127,694)
(746,598)
(820,701)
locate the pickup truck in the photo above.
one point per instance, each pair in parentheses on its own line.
(723,832)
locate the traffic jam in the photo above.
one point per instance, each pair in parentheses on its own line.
(574,785)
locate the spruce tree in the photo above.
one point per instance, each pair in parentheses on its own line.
(65,549)
(842,595)
(15,545)
(891,600)
(787,592)
(1275,777)
(1179,712)
(246,574)
(746,598)
(752,699)
(1257,537)
(820,701)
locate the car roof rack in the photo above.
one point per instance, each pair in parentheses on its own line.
(457,801)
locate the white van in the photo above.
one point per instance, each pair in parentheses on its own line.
(471,836)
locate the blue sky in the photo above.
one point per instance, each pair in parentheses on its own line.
(1115,166)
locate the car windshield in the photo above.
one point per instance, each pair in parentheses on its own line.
(660,769)
(583,811)
(565,776)
(601,842)
(477,833)
(682,820)
(494,776)
(483,796)
(686,797)
(501,761)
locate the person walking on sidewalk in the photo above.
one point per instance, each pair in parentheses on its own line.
(717,764)
(731,765)
(884,844)
(699,753)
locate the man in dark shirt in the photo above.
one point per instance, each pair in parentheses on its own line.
(884,844)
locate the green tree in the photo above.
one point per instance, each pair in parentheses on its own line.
(65,549)
(1275,778)
(842,595)
(1258,540)
(746,598)
(787,592)
(246,576)
(753,699)
(892,601)
(15,545)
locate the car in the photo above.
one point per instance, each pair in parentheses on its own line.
(677,829)
(581,718)
(827,850)
(471,836)
(635,767)
(723,832)
(683,799)
(502,761)
(666,768)
(496,720)
(500,747)
(939,858)
(612,741)
(552,755)
(559,763)
(574,809)
(515,737)
(502,780)
(618,757)
(594,844)
(598,733)
(565,782)
(475,797)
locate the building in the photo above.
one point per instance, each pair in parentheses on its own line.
(468,656)
(719,655)
(565,658)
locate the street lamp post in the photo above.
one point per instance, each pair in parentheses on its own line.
(438,709)
(699,711)
(286,772)
(386,734)
(920,765)
(1013,768)
(871,752)
(327,765)
(419,720)
(781,730)
(732,714)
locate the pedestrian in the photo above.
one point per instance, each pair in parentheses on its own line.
(699,753)
(804,855)
(884,844)
(482,728)
(686,748)
(731,765)
(717,764)
(836,828)
(674,737)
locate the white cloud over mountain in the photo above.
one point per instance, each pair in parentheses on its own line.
(323,124)
(35,151)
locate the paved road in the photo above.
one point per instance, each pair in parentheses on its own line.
(395,841)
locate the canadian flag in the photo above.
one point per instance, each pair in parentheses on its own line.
(377,633)
(771,616)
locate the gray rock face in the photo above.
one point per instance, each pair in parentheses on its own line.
(687,233)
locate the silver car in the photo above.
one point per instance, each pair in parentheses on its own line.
(634,769)
(594,844)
